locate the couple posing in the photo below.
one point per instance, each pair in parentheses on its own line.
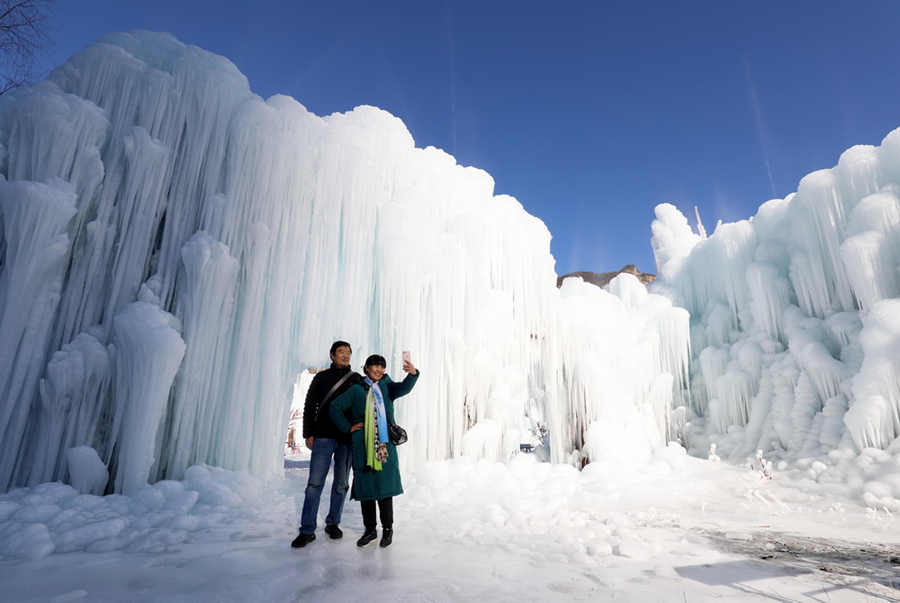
(346,418)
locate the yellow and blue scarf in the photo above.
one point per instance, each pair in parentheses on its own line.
(375,429)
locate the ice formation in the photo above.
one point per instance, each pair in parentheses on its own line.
(175,250)
(54,517)
(625,353)
(87,472)
(795,316)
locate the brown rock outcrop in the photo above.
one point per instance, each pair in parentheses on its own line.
(601,279)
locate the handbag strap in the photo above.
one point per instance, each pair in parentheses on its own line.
(333,389)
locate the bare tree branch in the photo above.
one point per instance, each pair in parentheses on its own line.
(22,34)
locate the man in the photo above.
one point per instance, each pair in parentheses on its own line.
(325,442)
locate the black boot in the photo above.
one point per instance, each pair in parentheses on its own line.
(302,540)
(387,534)
(367,537)
(333,531)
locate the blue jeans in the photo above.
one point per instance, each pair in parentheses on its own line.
(322,451)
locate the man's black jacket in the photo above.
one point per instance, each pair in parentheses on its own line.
(318,389)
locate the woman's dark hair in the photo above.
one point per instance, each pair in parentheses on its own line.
(376,360)
(338,344)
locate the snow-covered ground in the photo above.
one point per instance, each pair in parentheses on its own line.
(675,529)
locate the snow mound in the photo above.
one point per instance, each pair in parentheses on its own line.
(210,505)
(550,510)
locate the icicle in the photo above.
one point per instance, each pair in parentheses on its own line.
(148,354)
(871,252)
(700,230)
(770,294)
(873,419)
(35,218)
(72,396)
(206,310)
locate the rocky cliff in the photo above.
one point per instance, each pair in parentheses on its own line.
(602,278)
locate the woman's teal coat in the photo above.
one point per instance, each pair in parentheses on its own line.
(350,408)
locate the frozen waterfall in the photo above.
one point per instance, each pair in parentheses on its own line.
(795,316)
(175,249)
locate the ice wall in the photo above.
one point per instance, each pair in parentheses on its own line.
(794,313)
(624,354)
(176,249)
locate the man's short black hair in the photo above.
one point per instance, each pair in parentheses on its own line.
(376,360)
(338,344)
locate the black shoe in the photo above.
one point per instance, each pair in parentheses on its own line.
(302,540)
(334,531)
(367,537)
(387,534)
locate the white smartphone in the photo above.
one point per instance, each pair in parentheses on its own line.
(406,356)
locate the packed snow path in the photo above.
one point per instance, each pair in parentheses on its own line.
(679,529)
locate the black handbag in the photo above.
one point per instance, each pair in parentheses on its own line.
(396,434)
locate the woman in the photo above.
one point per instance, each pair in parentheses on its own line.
(376,473)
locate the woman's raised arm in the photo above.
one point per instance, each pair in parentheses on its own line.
(396,390)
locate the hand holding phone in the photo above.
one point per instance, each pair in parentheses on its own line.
(407,363)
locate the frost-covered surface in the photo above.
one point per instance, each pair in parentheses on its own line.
(55,518)
(175,249)
(465,529)
(87,473)
(625,353)
(795,319)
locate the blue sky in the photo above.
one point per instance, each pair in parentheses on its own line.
(590,113)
